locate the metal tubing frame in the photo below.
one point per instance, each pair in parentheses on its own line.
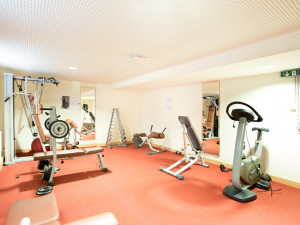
(9,121)
(153,149)
(53,118)
(189,159)
(238,151)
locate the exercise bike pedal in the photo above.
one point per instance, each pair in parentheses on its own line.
(44,190)
(223,169)
(263,184)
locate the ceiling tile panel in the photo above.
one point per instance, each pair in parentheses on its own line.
(97,36)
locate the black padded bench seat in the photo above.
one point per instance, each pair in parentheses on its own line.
(67,153)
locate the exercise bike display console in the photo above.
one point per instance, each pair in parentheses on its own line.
(247,170)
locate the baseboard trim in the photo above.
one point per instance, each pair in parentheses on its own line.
(286,182)
(227,165)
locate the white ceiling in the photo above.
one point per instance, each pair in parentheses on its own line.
(187,41)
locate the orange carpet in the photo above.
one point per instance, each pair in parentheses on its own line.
(212,147)
(138,193)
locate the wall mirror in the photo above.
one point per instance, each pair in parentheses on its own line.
(210,117)
(88,110)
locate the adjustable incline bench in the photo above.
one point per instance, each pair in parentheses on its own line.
(44,210)
(190,159)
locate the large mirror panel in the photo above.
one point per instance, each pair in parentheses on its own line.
(88,109)
(210,117)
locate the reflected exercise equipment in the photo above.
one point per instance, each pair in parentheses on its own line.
(210,124)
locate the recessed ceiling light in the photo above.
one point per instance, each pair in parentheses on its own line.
(136,57)
(269,67)
(73,68)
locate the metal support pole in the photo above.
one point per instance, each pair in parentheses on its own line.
(9,140)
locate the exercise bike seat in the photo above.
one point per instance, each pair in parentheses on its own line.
(237,113)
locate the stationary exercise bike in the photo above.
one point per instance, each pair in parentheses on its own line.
(248,170)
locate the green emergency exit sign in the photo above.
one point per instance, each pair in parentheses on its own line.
(290,73)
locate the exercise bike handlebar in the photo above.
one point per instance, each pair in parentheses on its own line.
(259,118)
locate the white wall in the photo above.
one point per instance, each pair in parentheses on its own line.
(273,97)
(162,108)
(129,103)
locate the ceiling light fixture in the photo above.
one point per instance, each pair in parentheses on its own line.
(269,67)
(73,68)
(136,57)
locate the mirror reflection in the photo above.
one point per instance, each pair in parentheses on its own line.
(87,103)
(210,117)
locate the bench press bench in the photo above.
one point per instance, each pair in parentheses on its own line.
(70,153)
(44,210)
(65,154)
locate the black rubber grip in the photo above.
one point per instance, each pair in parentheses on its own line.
(45,108)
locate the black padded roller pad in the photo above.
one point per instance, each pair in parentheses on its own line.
(184,120)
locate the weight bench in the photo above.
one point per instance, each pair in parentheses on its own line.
(138,141)
(44,210)
(190,159)
(65,154)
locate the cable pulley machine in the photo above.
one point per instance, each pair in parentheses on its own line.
(31,105)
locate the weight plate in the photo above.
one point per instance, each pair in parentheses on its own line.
(47,173)
(59,129)
(44,190)
(47,123)
(42,164)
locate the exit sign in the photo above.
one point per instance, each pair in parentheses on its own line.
(290,73)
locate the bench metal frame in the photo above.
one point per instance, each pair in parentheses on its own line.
(188,158)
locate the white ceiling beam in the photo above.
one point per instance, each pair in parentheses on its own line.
(270,47)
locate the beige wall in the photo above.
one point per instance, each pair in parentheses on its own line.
(273,97)
(129,103)
(162,108)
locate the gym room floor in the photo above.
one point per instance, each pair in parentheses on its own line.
(138,193)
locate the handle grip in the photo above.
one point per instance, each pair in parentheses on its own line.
(261,129)
(45,108)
